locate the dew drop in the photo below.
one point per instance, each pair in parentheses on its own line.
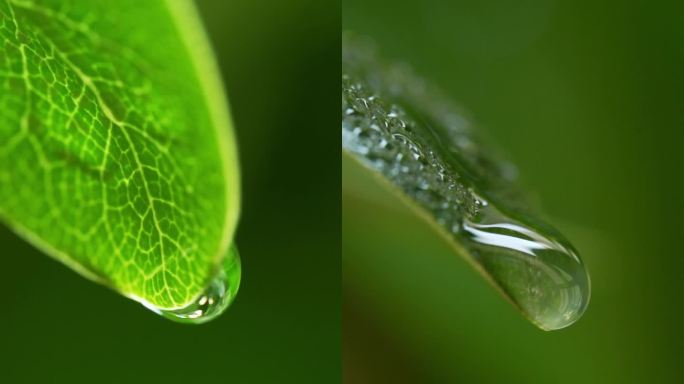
(536,268)
(215,299)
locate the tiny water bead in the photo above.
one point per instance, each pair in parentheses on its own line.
(397,125)
(215,299)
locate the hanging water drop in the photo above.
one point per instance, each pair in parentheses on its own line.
(535,266)
(216,298)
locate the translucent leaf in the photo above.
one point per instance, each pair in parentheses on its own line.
(116,149)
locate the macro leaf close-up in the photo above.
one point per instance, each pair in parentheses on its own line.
(118,155)
(417,143)
(582,101)
(341,191)
(142,144)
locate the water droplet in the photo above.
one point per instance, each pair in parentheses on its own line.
(534,265)
(215,299)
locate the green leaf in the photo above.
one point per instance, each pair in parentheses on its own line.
(117,155)
(419,147)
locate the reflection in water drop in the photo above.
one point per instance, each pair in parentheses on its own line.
(536,268)
(216,297)
(398,126)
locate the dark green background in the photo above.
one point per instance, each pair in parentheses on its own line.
(586,98)
(280,61)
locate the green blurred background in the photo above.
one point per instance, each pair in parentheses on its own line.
(281,64)
(586,98)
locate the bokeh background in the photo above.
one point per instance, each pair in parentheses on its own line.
(585,97)
(281,64)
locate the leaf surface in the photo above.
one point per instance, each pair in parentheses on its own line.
(116,150)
